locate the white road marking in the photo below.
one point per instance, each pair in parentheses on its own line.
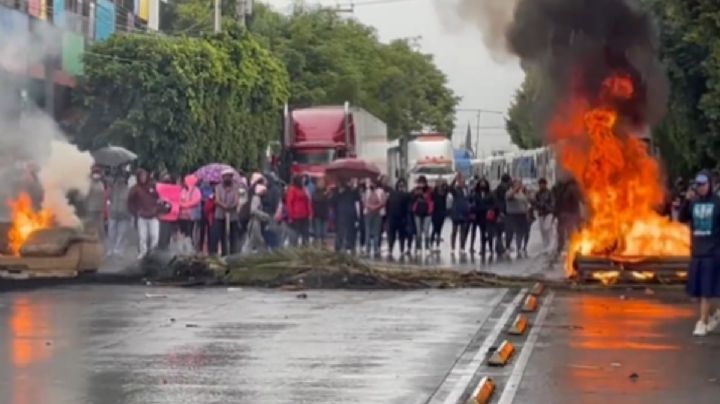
(513,383)
(479,357)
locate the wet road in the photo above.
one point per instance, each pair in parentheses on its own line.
(128,345)
(110,344)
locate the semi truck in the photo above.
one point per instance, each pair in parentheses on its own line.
(430,155)
(315,137)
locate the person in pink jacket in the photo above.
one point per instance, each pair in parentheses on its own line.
(190,207)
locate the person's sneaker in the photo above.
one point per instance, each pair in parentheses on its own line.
(701,329)
(713,321)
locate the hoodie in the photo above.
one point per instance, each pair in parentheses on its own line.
(143,200)
(190,198)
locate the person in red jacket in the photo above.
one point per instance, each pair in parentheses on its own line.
(299,209)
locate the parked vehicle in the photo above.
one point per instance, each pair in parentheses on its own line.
(430,155)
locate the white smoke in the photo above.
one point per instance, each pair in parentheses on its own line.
(29,134)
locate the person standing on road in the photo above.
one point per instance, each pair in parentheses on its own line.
(95,204)
(517,207)
(484,212)
(702,210)
(345,204)
(439,214)
(422,209)
(299,211)
(190,209)
(398,212)
(255,240)
(143,204)
(119,219)
(543,204)
(501,241)
(227,197)
(321,211)
(567,210)
(460,213)
(374,205)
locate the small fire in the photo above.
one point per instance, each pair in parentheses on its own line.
(24,221)
(619,179)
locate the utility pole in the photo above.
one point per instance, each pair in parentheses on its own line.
(217,16)
(479,112)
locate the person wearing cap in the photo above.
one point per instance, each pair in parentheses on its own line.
(227,197)
(702,211)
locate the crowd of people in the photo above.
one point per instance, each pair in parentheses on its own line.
(370,217)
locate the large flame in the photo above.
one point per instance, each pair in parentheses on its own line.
(24,221)
(619,179)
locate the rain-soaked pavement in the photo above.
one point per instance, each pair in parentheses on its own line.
(127,345)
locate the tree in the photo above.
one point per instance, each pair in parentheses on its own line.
(182,102)
(689,136)
(521,123)
(330,60)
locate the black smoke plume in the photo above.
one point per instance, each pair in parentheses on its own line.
(574,45)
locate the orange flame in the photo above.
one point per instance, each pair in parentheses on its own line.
(24,221)
(619,179)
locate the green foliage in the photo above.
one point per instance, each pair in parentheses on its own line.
(689,137)
(182,102)
(520,123)
(330,60)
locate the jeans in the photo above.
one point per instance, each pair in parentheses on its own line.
(167,229)
(517,224)
(373,223)
(396,231)
(149,234)
(300,230)
(345,234)
(422,229)
(220,236)
(117,234)
(437,225)
(463,226)
(487,234)
(319,230)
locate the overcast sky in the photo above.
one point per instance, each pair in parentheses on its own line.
(473,74)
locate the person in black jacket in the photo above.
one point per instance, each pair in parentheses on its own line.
(422,209)
(502,241)
(397,210)
(460,213)
(702,210)
(484,214)
(439,214)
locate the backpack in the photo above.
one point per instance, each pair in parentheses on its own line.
(422,207)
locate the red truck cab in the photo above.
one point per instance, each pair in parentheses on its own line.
(315,137)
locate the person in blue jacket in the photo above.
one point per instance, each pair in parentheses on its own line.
(702,211)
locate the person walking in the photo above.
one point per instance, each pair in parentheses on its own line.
(398,212)
(517,207)
(422,209)
(544,205)
(345,203)
(227,197)
(299,211)
(119,218)
(439,214)
(190,208)
(460,213)
(321,211)
(485,215)
(702,210)
(374,210)
(143,204)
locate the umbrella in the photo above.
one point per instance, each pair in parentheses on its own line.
(352,168)
(213,173)
(113,156)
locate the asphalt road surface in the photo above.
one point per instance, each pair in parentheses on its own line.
(142,345)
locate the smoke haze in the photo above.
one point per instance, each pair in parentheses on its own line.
(30,135)
(573,45)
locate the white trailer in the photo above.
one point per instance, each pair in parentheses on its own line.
(371,138)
